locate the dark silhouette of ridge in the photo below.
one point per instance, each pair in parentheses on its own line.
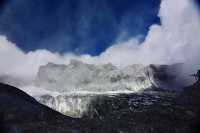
(160,112)
(20,113)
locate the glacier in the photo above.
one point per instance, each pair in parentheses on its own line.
(81,77)
(70,88)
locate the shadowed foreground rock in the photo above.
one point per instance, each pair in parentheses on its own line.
(149,112)
(20,113)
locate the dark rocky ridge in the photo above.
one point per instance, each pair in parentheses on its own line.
(20,113)
(149,112)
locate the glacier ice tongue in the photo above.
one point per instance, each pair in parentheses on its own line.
(74,106)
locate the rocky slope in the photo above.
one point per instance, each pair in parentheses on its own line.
(160,112)
(147,112)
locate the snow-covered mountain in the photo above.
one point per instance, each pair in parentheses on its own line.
(70,88)
(82,77)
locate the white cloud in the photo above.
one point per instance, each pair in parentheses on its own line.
(17,63)
(175,40)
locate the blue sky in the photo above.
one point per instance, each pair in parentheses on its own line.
(92,27)
(78,26)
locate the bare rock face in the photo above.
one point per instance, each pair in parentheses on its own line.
(144,113)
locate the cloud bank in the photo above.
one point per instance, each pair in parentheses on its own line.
(176,40)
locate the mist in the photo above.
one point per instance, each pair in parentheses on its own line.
(175,40)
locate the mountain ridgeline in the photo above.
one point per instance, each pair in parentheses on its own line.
(78,83)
